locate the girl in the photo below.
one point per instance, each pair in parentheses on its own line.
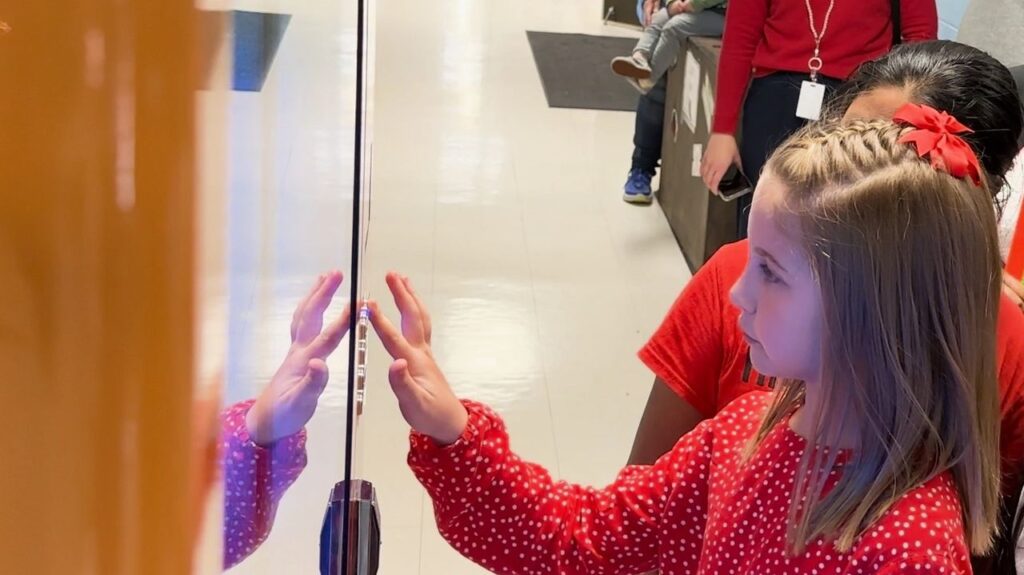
(698,353)
(876,453)
(777,53)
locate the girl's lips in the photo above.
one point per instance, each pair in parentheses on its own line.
(746,334)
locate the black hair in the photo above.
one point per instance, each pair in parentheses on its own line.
(961,80)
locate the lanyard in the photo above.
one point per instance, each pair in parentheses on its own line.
(815,62)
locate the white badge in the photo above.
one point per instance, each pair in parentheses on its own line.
(812,94)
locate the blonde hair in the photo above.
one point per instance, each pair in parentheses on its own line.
(908,264)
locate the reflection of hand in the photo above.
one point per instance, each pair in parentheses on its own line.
(289,400)
(424,396)
(1014,289)
(721,152)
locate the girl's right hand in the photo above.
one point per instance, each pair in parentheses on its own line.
(424,396)
(721,152)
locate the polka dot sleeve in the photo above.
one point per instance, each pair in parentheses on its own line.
(255,478)
(510,516)
(921,564)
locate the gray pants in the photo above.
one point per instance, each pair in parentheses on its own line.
(662,40)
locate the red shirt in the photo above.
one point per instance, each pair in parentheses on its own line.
(700,509)
(255,479)
(700,352)
(765,36)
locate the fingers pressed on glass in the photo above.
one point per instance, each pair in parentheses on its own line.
(424,314)
(301,308)
(331,336)
(412,324)
(394,343)
(325,292)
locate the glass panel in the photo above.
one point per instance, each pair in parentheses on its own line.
(289,218)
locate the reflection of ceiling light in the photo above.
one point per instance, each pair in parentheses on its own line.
(4,27)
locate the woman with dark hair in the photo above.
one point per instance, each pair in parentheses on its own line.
(1018,536)
(699,356)
(946,76)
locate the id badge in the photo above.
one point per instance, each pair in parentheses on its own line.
(812,94)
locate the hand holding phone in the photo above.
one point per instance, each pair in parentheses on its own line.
(734,184)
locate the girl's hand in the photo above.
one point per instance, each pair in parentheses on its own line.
(721,152)
(289,400)
(424,396)
(1014,289)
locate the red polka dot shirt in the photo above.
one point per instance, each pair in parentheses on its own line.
(255,479)
(697,510)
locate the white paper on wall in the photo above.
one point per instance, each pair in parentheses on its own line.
(691,92)
(707,97)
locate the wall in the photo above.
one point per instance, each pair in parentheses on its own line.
(950,14)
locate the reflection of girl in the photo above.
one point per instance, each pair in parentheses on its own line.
(264,443)
(877,451)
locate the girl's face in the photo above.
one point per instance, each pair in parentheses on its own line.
(777,295)
(877,103)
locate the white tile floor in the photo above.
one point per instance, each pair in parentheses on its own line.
(505,213)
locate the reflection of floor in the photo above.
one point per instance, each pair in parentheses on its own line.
(505,213)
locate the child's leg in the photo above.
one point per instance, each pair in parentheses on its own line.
(651,34)
(637,65)
(674,33)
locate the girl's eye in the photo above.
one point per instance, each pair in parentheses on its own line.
(768,275)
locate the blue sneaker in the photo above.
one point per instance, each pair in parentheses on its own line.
(638,187)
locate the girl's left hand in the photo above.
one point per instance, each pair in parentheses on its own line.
(424,397)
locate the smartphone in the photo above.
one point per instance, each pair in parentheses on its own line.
(734,184)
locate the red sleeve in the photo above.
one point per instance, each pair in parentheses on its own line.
(255,479)
(511,517)
(1011,394)
(687,351)
(919,20)
(922,564)
(744,27)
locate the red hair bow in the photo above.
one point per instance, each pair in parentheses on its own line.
(936,136)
